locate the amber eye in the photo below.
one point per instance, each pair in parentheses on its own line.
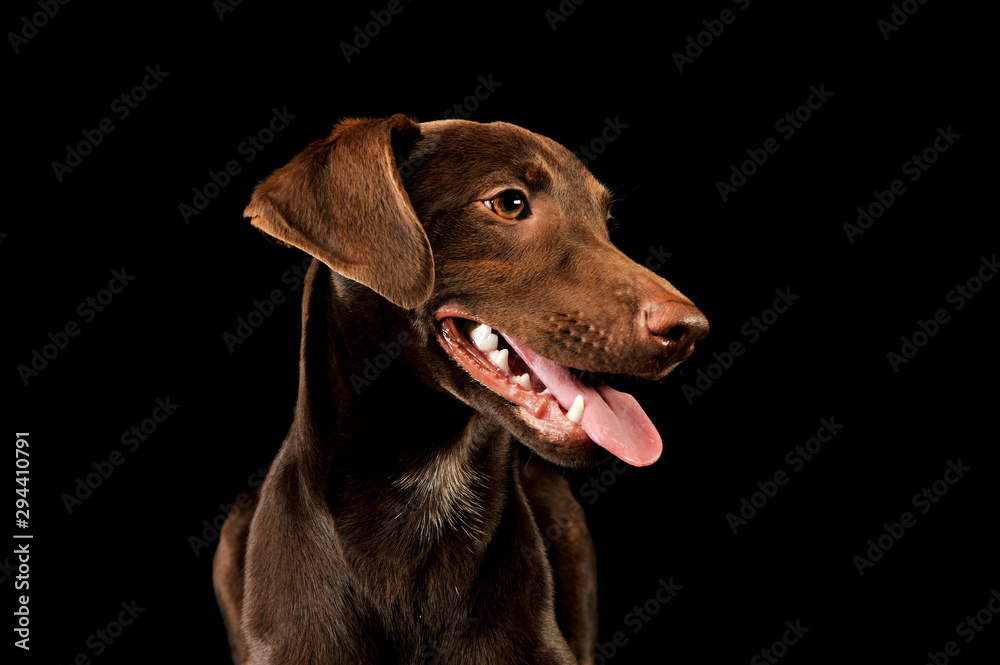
(509,204)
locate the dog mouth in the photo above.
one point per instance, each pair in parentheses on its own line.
(563,406)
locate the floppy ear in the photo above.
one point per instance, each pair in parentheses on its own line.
(342,201)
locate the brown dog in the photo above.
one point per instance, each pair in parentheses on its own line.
(465,294)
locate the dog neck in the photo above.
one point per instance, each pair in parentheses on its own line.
(404,468)
(416,516)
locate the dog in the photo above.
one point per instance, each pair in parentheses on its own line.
(462,316)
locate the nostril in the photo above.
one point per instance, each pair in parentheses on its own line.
(677,333)
(676,322)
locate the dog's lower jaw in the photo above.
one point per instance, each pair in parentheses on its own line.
(566,409)
(552,445)
(538,421)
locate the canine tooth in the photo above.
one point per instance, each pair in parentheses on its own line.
(545,392)
(499,358)
(524,381)
(575,412)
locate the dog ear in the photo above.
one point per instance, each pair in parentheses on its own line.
(342,201)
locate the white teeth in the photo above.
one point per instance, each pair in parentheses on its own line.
(545,392)
(575,413)
(482,336)
(499,358)
(478,334)
(524,381)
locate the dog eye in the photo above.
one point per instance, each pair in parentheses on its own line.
(509,204)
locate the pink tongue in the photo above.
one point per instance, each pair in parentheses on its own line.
(612,419)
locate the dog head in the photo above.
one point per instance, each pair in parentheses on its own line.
(496,239)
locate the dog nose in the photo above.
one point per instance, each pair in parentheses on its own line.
(676,323)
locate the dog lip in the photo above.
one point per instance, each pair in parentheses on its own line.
(483,368)
(456,313)
(678,356)
(682,354)
(450,311)
(609,418)
(541,411)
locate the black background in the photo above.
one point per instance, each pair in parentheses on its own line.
(825,357)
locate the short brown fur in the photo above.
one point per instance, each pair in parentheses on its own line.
(400,522)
